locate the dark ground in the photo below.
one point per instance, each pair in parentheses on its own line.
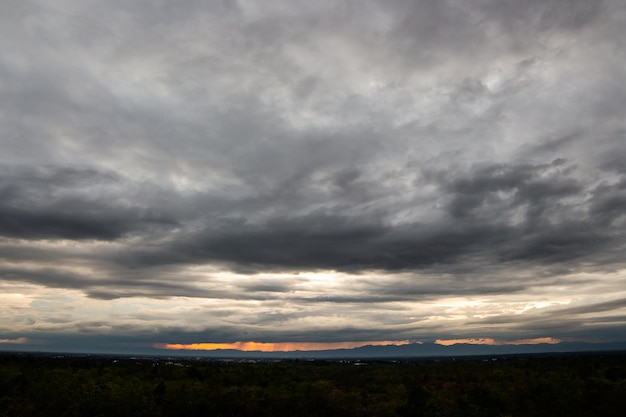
(552,385)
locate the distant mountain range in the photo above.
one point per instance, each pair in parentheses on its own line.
(414,350)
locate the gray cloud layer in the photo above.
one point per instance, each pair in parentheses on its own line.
(451,149)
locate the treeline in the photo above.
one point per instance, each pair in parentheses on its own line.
(592,385)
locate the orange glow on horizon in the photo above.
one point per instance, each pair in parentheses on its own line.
(277,346)
(18,341)
(493,342)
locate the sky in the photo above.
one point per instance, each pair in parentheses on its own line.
(318,174)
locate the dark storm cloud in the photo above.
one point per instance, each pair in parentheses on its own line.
(493,213)
(542,207)
(94,286)
(613,160)
(225,150)
(69,203)
(107,283)
(531,15)
(609,203)
(575,319)
(595,308)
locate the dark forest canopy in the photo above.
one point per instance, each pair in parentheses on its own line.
(573,385)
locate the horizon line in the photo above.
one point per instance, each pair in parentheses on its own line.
(253,346)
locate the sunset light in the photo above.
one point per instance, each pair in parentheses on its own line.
(18,341)
(493,342)
(276,346)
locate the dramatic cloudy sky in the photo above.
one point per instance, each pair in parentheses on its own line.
(311,171)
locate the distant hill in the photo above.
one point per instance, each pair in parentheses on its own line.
(413,350)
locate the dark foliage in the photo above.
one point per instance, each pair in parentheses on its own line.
(72,386)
